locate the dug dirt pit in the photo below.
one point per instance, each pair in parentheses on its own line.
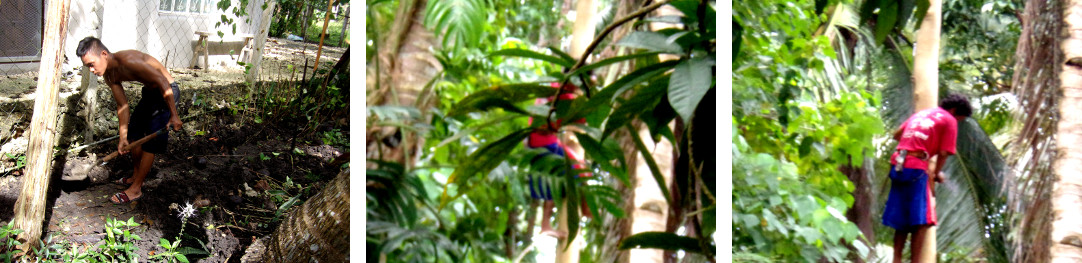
(237,178)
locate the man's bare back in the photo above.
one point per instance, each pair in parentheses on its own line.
(137,66)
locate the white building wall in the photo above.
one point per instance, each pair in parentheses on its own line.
(140,25)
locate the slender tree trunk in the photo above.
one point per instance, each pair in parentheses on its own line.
(318,231)
(652,211)
(323,33)
(926,92)
(582,35)
(30,206)
(345,26)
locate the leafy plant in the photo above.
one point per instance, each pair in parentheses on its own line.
(117,244)
(9,242)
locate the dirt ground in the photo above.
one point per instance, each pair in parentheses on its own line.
(222,163)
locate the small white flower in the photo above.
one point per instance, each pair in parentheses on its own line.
(187,211)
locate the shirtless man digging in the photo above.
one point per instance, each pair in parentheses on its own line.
(156,110)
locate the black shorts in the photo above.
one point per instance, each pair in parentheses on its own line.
(152,115)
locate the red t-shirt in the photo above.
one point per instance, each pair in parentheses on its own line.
(931,131)
(540,137)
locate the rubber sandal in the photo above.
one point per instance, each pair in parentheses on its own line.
(121,181)
(123,198)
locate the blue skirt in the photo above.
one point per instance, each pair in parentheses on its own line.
(909,204)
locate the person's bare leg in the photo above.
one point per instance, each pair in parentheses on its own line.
(899,244)
(546,227)
(143,160)
(917,244)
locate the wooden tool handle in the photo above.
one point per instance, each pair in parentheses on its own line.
(132,146)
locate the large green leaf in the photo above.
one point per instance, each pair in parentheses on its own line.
(664,241)
(973,196)
(515,52)
(644,99)
(607,94)
(484,160)
(689,82)
(652,41)
(609,61)
(888,16)
(502,96)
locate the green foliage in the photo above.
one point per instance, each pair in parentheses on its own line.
(334,30)
(460,23)
(117,245)
(893,15)
(170,254)
(9,242)
(797,119)
(20,160)
(335,137)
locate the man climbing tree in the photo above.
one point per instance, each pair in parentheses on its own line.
(546,137)
(910,208)
(156,109)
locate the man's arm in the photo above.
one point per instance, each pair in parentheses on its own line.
(122,113)
(898,134)
(941,160)
(155,76)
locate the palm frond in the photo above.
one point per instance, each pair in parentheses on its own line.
(457,22)
(972,204)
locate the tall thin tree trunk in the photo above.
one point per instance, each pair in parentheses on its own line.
(318,231)
(582,35)
(30,206)
(652,211)
(345,26)
(926,93)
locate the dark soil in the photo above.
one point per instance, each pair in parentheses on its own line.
(237,172)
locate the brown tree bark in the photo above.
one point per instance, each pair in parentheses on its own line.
(1066,236)
(318,231)
(30,207)
(926,91)
(1035,83)
(406,66)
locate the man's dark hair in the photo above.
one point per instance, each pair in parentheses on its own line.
(89,44)
(957,102)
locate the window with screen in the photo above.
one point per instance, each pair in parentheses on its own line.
(188,6)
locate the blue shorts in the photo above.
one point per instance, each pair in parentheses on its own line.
(909,204)
(151,115)
(538,188)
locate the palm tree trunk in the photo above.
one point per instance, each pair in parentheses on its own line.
(319,230)
(406,66)
(30,206)
(926,92)
(1035,81)
(1066,235)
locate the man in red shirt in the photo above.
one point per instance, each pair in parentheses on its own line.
(910,208)
(548,138)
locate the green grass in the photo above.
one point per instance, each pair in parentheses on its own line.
(334,29)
